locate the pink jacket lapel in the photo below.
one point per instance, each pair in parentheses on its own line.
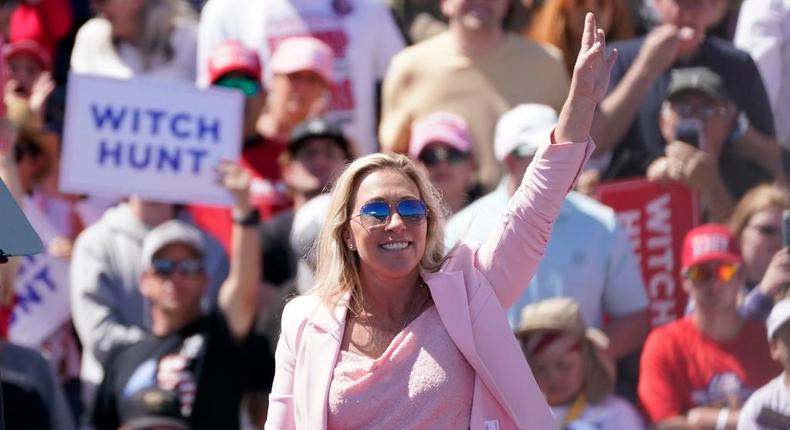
(322,338)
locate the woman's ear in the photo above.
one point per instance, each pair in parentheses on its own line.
(348,240)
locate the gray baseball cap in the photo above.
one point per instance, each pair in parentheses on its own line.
(697,79)
(169,232)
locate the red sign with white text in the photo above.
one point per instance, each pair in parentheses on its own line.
(656,217)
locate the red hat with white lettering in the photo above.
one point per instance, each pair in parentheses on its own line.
(710,242)
(233,56)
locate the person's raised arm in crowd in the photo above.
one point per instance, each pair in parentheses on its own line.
(503,260)
(618,109)
(238,294)
(626,117)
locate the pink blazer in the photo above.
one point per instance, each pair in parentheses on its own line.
(471,293)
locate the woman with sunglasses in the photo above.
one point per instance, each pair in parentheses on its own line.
(396,334)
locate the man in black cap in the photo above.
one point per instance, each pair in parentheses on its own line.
(696,118)
(625,121)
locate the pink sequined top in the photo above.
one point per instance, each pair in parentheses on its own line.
(421,381)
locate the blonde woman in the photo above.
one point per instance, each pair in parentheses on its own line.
(157,38)
(395,334)
(756,223)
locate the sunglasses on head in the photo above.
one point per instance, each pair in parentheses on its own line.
(377,214)
(722,272)
(165,268)
(433,156)
(246,85)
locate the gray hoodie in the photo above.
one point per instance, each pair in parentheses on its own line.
(107,307)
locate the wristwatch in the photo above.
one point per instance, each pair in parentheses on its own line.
(251,218)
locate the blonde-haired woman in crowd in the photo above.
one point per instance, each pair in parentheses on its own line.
(395,334)
(157,38)
(756,222)
(560,23)
(572,369)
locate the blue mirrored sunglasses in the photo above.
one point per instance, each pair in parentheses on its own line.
(165,268)
(377,214)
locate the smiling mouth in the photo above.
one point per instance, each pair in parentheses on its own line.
(395,246)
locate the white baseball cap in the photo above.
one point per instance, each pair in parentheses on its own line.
(173,231)
(780,315)
(525,127)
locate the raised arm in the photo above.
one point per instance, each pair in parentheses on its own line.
(618,110)
(588,85)
(238,295)
(510,256)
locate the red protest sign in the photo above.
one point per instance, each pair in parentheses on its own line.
(656,217)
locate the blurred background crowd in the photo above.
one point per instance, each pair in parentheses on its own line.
(699,98)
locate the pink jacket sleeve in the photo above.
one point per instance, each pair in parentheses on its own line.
(281,400)
(509,258)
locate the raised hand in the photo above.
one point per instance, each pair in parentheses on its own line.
(236,179)
(42,88)
(660,49)
(589,84)
(591,72)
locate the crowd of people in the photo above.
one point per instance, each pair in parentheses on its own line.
(416,239)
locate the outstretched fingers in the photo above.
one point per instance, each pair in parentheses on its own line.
(589,34)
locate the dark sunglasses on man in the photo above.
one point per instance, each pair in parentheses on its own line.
(435,155)
(188,268)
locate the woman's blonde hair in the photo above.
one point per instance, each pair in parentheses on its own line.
(337,270)
(760,198)
(550,25)
(156,21)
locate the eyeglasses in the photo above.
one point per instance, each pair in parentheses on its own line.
(377,214)
(722,272)
(766,230)
(165,268)
(432,156)
(246,85)
(704,112)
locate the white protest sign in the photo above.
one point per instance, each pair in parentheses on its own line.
(160,140)
(42,290)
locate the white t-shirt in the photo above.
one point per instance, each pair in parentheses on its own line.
(613,413)
(764,32)
(362,34)
(775,396)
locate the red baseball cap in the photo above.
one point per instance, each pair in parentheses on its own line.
(31,48)
(710,242)
(233,56)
